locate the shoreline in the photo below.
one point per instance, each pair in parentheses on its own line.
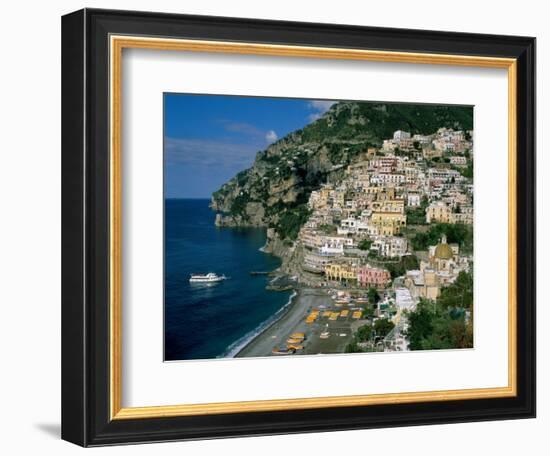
(238,346)
(291,320)
(294,298)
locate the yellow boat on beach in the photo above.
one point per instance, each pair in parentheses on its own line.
(294,341)
(283,351)
(312,317)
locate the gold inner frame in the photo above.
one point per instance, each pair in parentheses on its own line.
(117,44)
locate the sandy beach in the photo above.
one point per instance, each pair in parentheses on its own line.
(294,320)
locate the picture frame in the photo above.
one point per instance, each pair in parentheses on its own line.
(92,45)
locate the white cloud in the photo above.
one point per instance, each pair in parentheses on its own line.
(207,152)
(313,117)
(271,136)
(319,107)
(241,127)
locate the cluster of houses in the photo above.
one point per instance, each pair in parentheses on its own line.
(357,224)
(443,141)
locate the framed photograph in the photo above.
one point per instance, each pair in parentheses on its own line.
(278,227)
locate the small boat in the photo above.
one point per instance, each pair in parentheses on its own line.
(206,278)
(283,351)
(294,341)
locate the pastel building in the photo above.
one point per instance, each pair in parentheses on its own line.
(438,212)
(390,246)
(368,276)
(341,272)
(388,223)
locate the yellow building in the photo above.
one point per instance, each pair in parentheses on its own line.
(439,212)
(438,272)
(429,152)
(388,223)
(338,198)
(391,205)
(371,152)
(386,194)
(340,272)
(372,190)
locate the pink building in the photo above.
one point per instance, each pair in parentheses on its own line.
(368,276)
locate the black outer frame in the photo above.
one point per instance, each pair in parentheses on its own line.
(85,227)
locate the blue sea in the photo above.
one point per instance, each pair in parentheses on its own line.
(213,320)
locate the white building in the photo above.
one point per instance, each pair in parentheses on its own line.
(413,199)
(458,160)
(400,135)
(331,249)
(404,299)
(390,246)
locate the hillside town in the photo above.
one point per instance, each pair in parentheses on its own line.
(373,226)
(382,231)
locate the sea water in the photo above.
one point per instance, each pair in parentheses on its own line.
(204,321)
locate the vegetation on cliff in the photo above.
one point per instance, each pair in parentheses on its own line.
(275,190)
(448,321)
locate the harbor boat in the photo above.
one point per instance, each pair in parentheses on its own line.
(211,277)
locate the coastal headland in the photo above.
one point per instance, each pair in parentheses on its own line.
(370,210)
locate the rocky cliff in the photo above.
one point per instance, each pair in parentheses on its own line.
(273,192)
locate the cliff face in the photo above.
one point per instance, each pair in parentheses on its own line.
(274,191)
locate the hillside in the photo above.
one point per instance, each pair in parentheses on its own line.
(273,193)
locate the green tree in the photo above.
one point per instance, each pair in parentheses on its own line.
(352,347)
(416,215)
(460,294)
(432,326)
(468,172)
(420,324)
(327,228)
(383,326)
(364,244)
(290,222)
(364,333)
(405,263)
(368,312)
(463,235)
(373,296)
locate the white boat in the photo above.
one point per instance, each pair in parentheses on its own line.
(206,278)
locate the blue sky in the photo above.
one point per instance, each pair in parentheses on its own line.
(210,138)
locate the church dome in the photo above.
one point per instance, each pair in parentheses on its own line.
(443,251)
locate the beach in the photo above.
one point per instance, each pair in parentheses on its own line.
(294,320)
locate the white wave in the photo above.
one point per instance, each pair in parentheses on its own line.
(239,344)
